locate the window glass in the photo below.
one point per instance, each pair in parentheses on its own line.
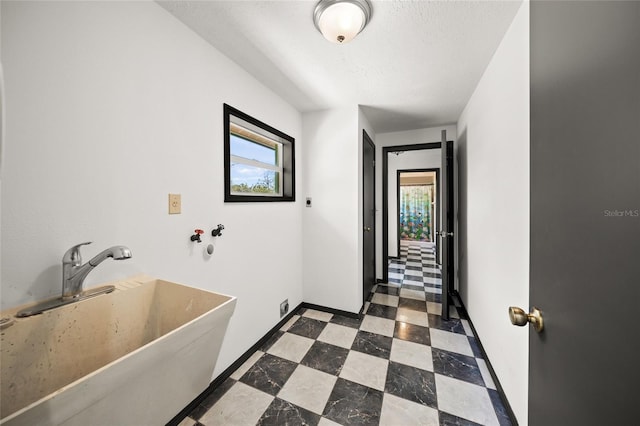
(251,150)
(259,160)
(246,179)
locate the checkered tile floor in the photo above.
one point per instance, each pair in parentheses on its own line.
(400,365)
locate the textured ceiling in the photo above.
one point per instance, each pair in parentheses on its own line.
(415,65)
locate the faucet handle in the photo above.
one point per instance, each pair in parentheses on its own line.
(73,254)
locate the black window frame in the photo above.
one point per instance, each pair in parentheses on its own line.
(288,160)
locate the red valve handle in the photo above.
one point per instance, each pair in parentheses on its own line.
(199,231)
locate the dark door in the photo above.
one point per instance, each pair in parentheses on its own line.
(368,215)
(585,200)
(446,231)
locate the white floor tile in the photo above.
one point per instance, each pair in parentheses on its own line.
(467,327)
(399,411)
(187,422)
(486,375)
(319,315)
(412,317)
(434,308)
(308,388)
(326,422)
(365,369)
(432,290)
(465,400)
(452,342)
(396,275)
(247,365)
(291,347)
(430,280)
(378,325)
(338,335)
(385,299)
(412,294)
(453,312)
(413,354)
(240,406)
(287,325)
(414,273)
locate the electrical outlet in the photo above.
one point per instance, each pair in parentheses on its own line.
(175,204)
(284,308)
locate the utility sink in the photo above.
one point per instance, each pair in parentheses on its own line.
(142,352)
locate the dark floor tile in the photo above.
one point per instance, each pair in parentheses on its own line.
(431,274)
(383,311)
(433,297)
(412,333)
(266,345)
(396,270)
(395,280)
(458,366)
(416,305)
(474,347)
(307,327)
(390,290)
(453,325)
(208,402)
(373,344)
(325,357)
(282,413)
(346,321)
(411,383)
(353,404)
(269,373)
(447,419)
(409,286)
(414,268)
(501,411)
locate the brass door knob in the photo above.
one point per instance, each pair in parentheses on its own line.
(520,318)
(367,229)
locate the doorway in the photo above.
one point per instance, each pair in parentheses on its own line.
(417,199)
(392,156)
(368,216)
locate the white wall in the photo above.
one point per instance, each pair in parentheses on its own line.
(408,137)
(110,107)
(493,151)
(332,239)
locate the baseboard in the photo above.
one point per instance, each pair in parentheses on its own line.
(329,310)
(233,367)
(463,312)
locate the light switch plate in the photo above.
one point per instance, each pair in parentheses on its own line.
(175,203)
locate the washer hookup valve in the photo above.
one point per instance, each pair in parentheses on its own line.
(218,231)
(196,236)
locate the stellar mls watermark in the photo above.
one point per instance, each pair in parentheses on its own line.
(621,213)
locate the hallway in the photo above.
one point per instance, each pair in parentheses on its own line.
(400,365)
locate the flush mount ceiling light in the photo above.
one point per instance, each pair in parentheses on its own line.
(340,21)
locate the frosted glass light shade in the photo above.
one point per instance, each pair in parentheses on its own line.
(340,21)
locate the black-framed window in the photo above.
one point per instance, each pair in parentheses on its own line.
(259,161)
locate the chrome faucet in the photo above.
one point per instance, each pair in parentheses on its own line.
(73,275)
(74,272)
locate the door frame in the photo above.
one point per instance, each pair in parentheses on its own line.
(367,140)
(385,196)
(436,226)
